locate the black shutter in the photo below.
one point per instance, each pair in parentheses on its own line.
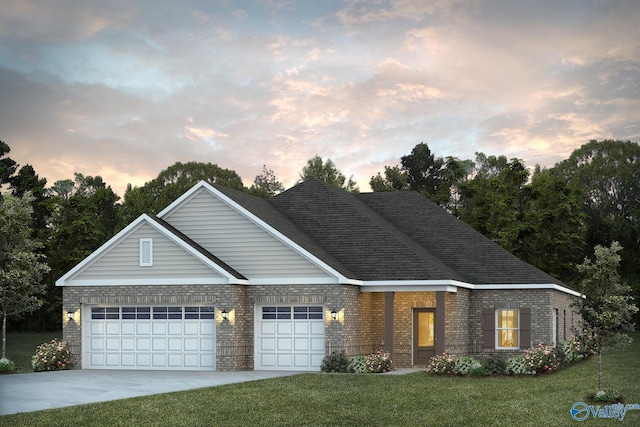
(489,328)
(525,327)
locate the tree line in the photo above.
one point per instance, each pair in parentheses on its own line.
(552,218)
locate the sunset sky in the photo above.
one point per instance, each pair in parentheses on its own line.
(124,89)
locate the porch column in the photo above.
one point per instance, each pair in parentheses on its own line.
(440,322)
(388,323)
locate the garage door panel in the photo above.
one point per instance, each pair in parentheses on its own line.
(317,344)
(112,329)
(128,344)
(285,344)
(301,360)
(128,360)
(268,328)
(159,344)
(141,338)
(290,337)
(97,344)
(192,329)
(285,328)
(268,344)
(97,328)
(128,328)
(301,344)
(301,328)
(207,344)
(113,343)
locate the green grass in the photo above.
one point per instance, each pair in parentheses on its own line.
(21,347)
(371,400)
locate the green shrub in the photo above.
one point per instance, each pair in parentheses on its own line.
(465,364)
(516,366)
(378,363)
(442,364)
(7,365)
(607,395)
(496,364)
(52,356)
(335,362)
(357,364)
(542,358)
(479,371)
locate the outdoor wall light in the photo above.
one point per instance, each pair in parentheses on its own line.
(70,315)
(334,315)
(224,314)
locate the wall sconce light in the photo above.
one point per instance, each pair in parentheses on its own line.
(334,315)
(70,315)
(224,314)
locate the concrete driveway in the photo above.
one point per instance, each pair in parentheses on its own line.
(46,390)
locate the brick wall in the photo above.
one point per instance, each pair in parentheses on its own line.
(540,301)
(404,303)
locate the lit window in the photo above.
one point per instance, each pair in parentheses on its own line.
(146,252)
(507,329)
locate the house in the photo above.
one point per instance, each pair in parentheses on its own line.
(222,280)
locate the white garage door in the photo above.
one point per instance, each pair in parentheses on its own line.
(289,338)
(149,337)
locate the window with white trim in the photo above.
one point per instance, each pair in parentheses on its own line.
(146,252)
(507,328)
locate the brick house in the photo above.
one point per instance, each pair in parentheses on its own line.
(221,280)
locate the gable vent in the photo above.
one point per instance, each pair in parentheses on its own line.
(146,252)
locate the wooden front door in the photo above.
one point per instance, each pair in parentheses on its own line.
(424,337)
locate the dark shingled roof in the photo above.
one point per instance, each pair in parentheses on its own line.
(387,236)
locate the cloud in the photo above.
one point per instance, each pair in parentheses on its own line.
(125,89)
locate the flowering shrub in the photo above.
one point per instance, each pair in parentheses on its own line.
(378,363)
(465,365)
(542,358)
(52,356)
(7,365)
(517,366)
(357,364)
(442,364)
(577,348)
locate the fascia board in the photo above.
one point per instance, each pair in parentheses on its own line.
(158,281)
(528,286)
(431,285)
(253,218)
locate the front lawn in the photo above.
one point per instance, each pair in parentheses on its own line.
(372,400)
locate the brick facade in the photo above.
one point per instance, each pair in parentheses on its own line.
(360,327)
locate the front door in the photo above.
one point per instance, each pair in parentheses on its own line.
(424,341)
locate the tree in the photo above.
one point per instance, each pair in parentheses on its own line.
(21,269)
(327,172)
(170,184)
(608,174)
(552,231)
(7,165)
(395,179)
(424,173)
(493,201)
(607,310)
(266,184)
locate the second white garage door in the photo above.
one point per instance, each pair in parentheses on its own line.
(149,337)
(289,338)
